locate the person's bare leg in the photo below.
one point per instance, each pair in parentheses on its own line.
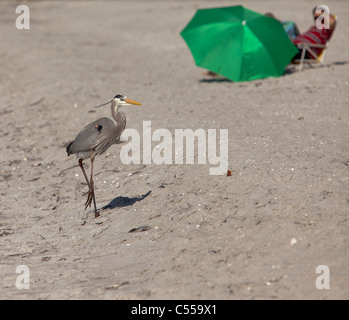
(210,73)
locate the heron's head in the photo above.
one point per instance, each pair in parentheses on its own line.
(120,100)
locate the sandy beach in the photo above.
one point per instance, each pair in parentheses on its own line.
(169,231)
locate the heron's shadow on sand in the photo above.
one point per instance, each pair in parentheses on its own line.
(124,201)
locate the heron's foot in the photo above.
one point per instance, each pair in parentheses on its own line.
(90,195)
(89,198)
(89,201)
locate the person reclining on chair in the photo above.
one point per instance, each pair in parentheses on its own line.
(315,36)
(312,36)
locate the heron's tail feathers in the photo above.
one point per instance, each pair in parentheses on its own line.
(68,149)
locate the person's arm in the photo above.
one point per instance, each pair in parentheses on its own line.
(333,21)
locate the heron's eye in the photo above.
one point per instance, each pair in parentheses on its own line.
(99,127)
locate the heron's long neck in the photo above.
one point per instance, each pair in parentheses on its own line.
(119,117)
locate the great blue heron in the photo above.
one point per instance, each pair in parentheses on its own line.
(97,137)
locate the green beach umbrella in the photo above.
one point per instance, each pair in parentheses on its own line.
(238,43)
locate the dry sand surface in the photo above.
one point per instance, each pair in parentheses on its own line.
(258,234)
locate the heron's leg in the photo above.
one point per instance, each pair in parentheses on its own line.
(91,192)
(90,186)
(88,202)
(84,172)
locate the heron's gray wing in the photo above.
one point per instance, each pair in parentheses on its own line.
(108,137)
(87,137)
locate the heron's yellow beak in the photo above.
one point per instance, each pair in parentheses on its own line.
(130,101)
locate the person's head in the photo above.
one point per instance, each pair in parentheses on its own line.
(270,14)
(317,13)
